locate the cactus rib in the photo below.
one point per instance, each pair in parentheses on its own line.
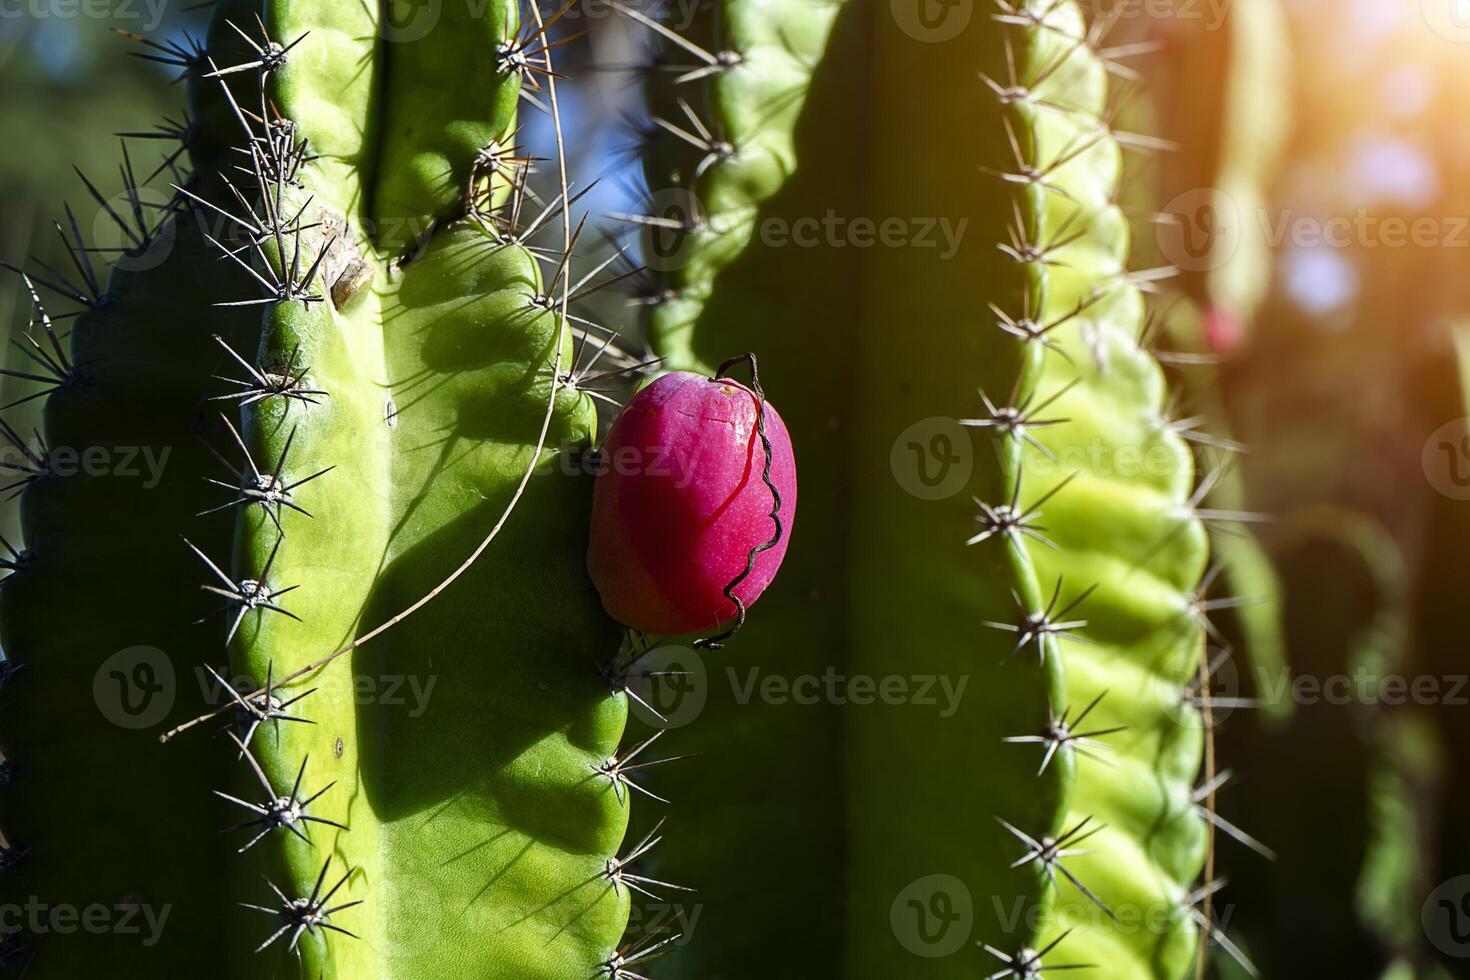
(1087,573)
(399,397)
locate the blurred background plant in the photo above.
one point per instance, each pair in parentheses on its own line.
(1336,365)
(1342,381)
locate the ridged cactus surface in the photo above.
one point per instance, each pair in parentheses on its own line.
(350,356)
(1057,568)
(349,335)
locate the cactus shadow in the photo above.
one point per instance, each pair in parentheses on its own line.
(495,677)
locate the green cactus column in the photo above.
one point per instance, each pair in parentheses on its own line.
(97,615)
(768,782)
(354,355)
(1013,511)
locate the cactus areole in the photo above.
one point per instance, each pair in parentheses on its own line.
(693,505)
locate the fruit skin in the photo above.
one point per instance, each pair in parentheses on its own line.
(680,503)
(1224,330)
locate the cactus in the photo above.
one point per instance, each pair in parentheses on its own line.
(1214,89)
(351,356)
(1218,87)
(361,358)
(1380,760)
(1255,622)
(1080,594)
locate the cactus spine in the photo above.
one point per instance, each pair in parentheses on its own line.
(398,362)
(392,342)
(1036,310)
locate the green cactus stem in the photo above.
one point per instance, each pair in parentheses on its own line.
(351,352)
(353,336)
(1014,357)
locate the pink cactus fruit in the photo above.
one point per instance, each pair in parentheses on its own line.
(681,501)
(1224,330)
